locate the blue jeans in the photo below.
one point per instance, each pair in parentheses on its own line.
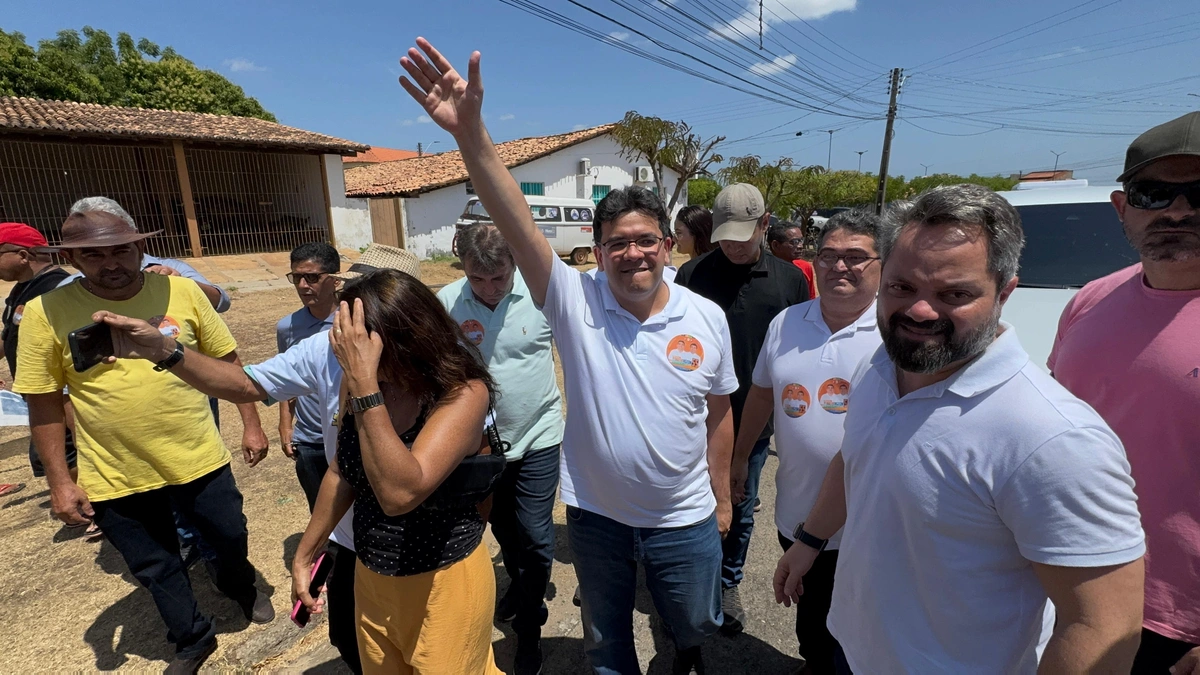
(141,528)
(737,542)
(523,522)
(681,565)
(311,466)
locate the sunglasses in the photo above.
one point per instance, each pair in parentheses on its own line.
(1154,195)
(312,278)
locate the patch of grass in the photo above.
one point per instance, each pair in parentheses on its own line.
(231,289)
(442,258)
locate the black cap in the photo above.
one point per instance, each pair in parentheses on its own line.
(1180,136)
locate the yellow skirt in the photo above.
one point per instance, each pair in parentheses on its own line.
(436,623)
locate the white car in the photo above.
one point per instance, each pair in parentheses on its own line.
(566,223)
(1072,236)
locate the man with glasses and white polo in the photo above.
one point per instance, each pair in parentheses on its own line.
(810,348)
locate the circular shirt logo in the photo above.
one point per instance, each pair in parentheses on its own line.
(685,353)
(18,313)
(165,325)
(795,400)
(835,395)
(473,330)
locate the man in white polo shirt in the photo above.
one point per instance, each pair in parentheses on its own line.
(648,439)
(972,487)
(492,305)
(807,347)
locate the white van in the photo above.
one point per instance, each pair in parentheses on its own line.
(566,223)
(1072,236)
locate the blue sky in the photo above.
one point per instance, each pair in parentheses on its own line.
(1079,88)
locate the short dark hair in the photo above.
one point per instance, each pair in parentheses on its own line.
(321,253)
(633,198)
(854,221)
(776,233)
(698,221)
(484,247)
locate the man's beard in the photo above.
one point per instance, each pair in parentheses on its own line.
(937,352)
(1155,245)
(113,280)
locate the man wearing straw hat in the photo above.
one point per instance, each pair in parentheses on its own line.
(146,442)
(308,368)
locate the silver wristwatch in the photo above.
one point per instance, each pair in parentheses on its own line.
(367,402)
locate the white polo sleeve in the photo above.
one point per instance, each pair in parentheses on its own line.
(1071,503)
(762,367)
(296,372)
(564,293)
(725,381)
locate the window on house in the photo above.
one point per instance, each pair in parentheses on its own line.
(533,189)
(600,192)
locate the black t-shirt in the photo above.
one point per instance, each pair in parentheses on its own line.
(14,306)
(751,295)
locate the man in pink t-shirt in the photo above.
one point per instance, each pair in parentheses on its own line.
(1129,345)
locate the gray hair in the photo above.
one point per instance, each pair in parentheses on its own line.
(104,204)
(484,248)
(855,221)
(970,205)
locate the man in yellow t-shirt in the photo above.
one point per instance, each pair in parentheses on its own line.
(147,443)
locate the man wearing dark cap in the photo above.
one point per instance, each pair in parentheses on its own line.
(1143,324)
(34,274)
(752,287)
(147,442)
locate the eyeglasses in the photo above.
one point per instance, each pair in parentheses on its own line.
(793,242)
(1155,195)
(646,244)
(312,278)
(829,259)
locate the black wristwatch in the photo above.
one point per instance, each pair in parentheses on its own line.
(809,540)
(367,402)
(172,360)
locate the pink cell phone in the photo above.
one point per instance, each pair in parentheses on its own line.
(320,572)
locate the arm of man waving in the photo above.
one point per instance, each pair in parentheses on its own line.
(828,516)
(720,450)
(755,413)
(1098,617)
(456,104)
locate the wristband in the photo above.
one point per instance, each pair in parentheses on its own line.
(809,540)
(171,361)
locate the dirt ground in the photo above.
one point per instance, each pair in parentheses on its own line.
(72,605)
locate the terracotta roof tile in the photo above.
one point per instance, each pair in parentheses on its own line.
(67,118)
(375,154)
(407,177)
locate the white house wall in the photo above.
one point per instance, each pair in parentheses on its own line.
(429,219)
(351,217)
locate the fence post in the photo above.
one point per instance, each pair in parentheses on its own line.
(185,192)
(328,202)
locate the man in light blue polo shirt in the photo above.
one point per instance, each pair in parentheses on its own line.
(495,311)
(313,265)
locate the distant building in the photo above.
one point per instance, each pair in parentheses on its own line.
(415,202)
(375,155)
(214,184)
(1039,176)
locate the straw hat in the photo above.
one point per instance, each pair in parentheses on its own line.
(378,256)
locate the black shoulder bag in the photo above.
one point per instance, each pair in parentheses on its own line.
(474,479)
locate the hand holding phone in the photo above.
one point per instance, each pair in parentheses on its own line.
(90,345)
(320,572)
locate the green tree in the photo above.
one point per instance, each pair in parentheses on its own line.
(922,183)
(703,191)
(780,183)
(90,69)
(664,144)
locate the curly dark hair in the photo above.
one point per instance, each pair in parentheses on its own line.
(423,347)
(633,198)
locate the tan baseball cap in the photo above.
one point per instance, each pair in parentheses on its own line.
(736,212)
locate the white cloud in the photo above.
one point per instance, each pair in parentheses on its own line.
(774,66)
(507,117)
(423,119)
(777,11)
(619,35)
(579,127)
(406,123)
(243,66)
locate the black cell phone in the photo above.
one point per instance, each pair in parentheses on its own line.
(320,572)
(90,345)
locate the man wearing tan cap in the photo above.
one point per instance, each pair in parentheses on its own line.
(147,443)
(1127,345)
(753,287)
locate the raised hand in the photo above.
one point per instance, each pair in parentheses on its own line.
(357,349)
(449,100)
(134,338)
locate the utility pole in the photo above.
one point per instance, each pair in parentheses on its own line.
(1056,156)
(829,159)
(926,168)
(860,154)
(419,152)
(881,195)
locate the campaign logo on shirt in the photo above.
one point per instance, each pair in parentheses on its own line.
(795,400)
(473,330)
(835,395)
(165,325)
(685,353)
(17,314)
